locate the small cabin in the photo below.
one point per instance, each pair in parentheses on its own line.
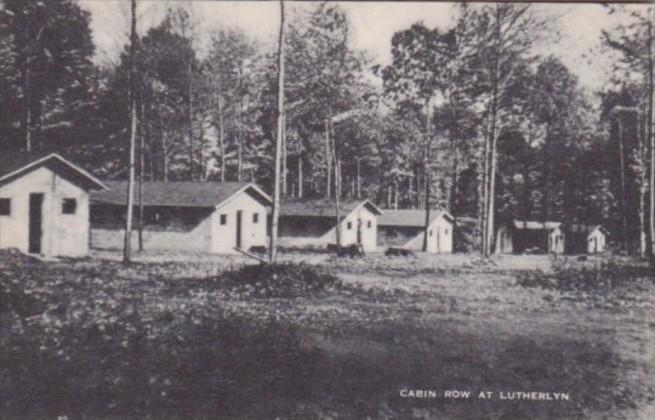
(534,237)
(590,239)
(406,229)
(209,217)
(312,223)
(44,204)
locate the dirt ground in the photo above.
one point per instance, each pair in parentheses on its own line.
(438,323)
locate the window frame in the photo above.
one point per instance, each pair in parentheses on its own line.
(69,206)
(255,218)
(6,200)
(222,219)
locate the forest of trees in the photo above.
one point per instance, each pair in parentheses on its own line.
(471,119)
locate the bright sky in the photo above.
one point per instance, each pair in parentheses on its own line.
(372,24)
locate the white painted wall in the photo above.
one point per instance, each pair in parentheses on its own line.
(63,234)
(440,238)
(556,241)
(596,242)
(348,236)
(223,238)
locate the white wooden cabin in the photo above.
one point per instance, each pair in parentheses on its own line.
(312,224)
(406,229)
(206,217)
(44,204)
(521,236)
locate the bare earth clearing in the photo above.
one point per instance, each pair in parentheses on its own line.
(420,323)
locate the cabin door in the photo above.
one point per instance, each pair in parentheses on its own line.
(239,227)
(35,223)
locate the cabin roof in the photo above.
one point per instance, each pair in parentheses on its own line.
(15,164)
(411,217)
(179,193)
(323,208)
(535,225)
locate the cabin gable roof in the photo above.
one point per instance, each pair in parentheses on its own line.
(411,217)
(181,193)
(15,165)
(324,208)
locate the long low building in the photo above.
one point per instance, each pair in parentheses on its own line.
(406,229)
(521,236)
(192,216)
(312,223)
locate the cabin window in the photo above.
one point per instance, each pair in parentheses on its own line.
(430,232)
(5,206)
(223,219)
(369,224)
(255,217)
(69,206)
(445,232)
(349,225)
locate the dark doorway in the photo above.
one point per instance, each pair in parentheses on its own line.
(36,223)
(239,217)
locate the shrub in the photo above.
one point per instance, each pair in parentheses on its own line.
(569,275)
(280,280)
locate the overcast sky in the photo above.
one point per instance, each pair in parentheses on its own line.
(372,25)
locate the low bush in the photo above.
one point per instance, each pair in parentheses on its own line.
(568,275)
(280,280)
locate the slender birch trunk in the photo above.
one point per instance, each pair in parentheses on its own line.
(328,159)
(127,244)
(278,140)
(141,169)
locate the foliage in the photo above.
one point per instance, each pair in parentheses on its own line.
(568,276)
(281,280)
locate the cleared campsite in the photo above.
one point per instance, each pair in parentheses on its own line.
(333,338)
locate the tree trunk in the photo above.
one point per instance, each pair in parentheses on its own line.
(141,169)
(494,139)
(127,245)
(300,180)
(28,106)
(284,163)
(190,117)
(624,219)
(221,126)
(240,144)
(651,103)
(328,158)
(426,169)
(278,140)
(359,179)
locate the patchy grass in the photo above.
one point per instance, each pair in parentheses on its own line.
(94,339)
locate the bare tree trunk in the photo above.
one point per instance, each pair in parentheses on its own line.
(240,143)
(278,140)
(221,126)
(141,169)
(624,219)
(300,180)
(395,194)
(127,245)
(328,158)
(651,103)
(359,179)
(485,190)
(494,139)
(190,117)
(641,129)
(426,168)
(27,93)
(285,155)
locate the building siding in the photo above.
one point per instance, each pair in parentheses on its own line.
(314,231)
(205,234)
(62,234)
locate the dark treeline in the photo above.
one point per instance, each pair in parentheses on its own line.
(472,119)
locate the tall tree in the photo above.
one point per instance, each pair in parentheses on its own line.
(49,48)
(127,245)
(278,139)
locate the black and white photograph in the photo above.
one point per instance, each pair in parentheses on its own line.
(328,210)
